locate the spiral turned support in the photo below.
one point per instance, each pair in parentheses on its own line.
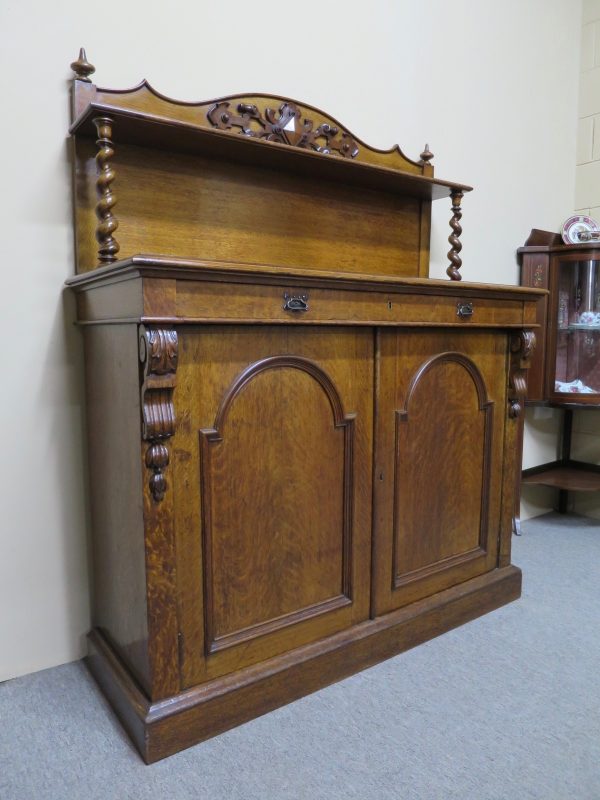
(108,223)
(455,244)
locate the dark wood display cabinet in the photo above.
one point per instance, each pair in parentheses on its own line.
(303,452)
(565,369)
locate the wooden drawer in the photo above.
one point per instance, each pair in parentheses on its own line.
(241,302)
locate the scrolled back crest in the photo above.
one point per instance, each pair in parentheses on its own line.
(266,117)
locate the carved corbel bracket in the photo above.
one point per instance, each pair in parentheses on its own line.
(522,345)
(158,354)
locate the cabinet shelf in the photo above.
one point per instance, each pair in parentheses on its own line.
(164,133)
(570,476)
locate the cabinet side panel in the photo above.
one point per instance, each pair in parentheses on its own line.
(113,419)
(85,197)
(535,273)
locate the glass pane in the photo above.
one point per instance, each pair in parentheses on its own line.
(578,328)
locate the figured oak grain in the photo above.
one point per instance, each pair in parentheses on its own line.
(275,556)
(216,209)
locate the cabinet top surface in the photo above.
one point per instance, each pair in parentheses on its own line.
(548,242)
(587,250)
(190,269)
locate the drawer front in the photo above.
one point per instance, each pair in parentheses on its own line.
(279,303)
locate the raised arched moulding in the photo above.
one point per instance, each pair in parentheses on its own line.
(220,446)
(413,457)
(448,357)
(306,127)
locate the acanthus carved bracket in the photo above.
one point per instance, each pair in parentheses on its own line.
(522,345)
(158,354)
(285,126)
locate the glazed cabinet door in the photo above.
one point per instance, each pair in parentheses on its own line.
(438,464)
(272,482)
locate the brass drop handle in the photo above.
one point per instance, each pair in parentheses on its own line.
(295,302)
(464,310)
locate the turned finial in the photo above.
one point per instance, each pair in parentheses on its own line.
(426,155)
(82,67)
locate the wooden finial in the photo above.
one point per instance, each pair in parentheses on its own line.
(82,67)
(456,245)
(426,155)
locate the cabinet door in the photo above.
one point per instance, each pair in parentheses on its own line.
(439,434)
(272,482)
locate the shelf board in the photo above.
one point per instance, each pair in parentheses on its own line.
(150,130)
(573,477)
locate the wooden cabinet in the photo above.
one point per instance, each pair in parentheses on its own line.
(303,452)
(565,370)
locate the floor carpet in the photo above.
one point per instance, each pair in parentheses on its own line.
(505,708)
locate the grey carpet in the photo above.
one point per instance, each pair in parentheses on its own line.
(504,708)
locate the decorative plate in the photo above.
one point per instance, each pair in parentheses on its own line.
(576,225)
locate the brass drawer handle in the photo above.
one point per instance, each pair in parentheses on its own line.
(295,302)
(464,310)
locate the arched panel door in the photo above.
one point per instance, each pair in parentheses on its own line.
(439,462)
(277,541)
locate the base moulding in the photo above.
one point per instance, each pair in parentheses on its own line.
(164,727)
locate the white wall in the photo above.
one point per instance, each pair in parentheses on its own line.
(586,424)
(489,85)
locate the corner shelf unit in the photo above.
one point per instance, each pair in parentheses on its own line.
(566,474)
(565,370)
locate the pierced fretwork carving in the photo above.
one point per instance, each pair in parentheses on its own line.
(522,345)
(284,126)
(158,354)
(455,243)
(108,223)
